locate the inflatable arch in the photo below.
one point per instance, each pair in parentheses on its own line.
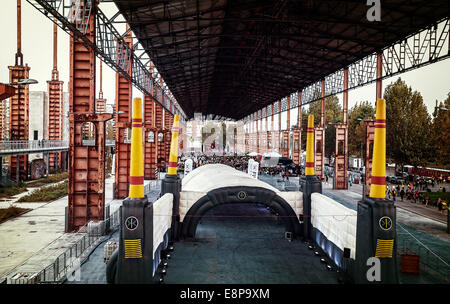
(239,194)
(215,184)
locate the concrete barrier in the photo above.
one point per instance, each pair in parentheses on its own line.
(334,227)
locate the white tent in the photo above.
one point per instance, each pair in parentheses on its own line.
(253,154)
(272,154)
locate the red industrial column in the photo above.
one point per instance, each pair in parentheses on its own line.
(296,154)
(370,135)
(285,147)
(55,106)
(341,147)
(150,163)
(19,106)
(279,133)
(100,103)
(319,139)
(123,128)
(370,126)
(270,133)
(86,163)
(161,145)
(257,133)
(168,134)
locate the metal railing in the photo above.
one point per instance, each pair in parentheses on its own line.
(32,144)
(69,260)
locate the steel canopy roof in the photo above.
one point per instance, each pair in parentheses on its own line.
(233,57)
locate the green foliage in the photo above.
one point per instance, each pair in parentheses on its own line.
(408,132)
(434,196)
(356,129)
(6,213)
(54,178)
(440,133)
(8,191)
(333,114)
(46,194)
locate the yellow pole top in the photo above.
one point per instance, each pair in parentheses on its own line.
(378,178)
(173,157)
(136,158)
(309,164)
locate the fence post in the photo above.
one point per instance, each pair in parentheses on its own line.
(448,218)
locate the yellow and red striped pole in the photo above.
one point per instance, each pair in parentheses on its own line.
(137,158)
(378,179)
(309,164)
(173,157)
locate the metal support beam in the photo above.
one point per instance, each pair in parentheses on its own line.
(86,163)
(73,18)
(319,138)
(370,135)
(123,126)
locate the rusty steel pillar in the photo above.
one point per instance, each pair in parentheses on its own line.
(370,127)
(150,163)
(6,91)
(297,134)
(379,76)
(370,135)
(319,139)
(341,144)
(19,106)
(168,122)
(123,128)
(55,107)
(285,143)
(86,163)
(160,136)
(100,103)
(280,133)
(257,133)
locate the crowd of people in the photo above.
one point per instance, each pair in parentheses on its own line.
(414,190)
(239,162)
(418,192)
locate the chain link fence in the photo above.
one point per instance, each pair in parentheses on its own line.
(429,262)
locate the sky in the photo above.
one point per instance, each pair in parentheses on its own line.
(432,81)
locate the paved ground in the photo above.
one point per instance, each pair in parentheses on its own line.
(225,251)
(237,250)
(33,240)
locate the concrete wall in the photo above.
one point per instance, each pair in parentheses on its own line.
(38,106)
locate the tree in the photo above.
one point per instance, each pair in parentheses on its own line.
(440,133)
(333,114)
(356,129)
(408,125)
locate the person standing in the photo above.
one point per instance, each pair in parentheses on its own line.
(402,194)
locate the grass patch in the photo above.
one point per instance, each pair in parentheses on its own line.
(10,212)
(46,194)
(54,178)
(8,191)
(435,195)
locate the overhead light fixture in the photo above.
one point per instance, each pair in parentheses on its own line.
(316,253)
(24,82)
(322,260)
